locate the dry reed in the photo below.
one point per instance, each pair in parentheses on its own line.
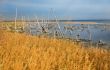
(24,52)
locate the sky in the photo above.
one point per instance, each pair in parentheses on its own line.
(64,9)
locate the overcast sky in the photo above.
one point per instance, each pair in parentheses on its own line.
(74,9)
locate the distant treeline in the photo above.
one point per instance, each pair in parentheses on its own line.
(44,20)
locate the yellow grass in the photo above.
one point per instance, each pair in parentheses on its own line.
(24,52)
(80,22)
(11,24)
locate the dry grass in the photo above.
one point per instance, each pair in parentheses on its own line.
(24,52)
(80,22)
(11,24)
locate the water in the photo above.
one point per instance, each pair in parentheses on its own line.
(95,32)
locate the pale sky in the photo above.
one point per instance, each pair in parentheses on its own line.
(75,9)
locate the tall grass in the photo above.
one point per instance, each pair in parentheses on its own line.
(24,52)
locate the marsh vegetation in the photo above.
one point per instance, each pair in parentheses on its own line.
(26,52)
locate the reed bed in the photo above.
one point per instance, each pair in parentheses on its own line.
(25,52)
(10,24)
(80,22)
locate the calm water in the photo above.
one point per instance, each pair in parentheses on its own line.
(95,32)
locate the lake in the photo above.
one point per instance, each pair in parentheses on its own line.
(95,30)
